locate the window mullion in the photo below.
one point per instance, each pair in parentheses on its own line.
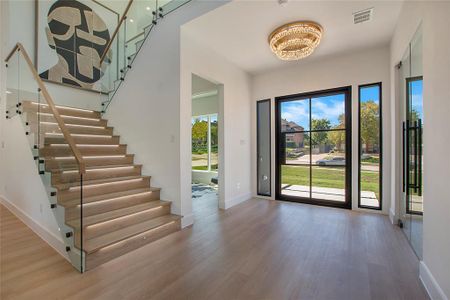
(209,143)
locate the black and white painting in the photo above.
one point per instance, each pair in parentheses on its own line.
(72,35)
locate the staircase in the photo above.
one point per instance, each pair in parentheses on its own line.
(121,211)
(102,203)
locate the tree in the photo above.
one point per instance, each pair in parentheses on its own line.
(337,138)
(319,138)
(369,123)
(199,132)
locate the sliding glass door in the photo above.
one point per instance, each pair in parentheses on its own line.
(313,148)
(411,95)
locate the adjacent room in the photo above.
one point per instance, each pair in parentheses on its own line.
(205,146)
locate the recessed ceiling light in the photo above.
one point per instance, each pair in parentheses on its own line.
(131,20)
(8,92)
(147,8)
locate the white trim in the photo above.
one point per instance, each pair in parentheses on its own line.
(392,216)
(235,201)
(429,282)
(187,221)
(37,228)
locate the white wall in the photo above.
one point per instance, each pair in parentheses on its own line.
(234,118)
(363,67)
(146,109)
(435,268)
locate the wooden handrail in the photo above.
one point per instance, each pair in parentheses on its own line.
(108,46)
(18,47)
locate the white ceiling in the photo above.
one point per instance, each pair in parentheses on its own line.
(239,30)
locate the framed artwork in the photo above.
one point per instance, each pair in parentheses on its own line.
(71,36)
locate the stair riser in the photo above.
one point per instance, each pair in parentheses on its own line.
(54,128)
(58,178)
(106,254)
(113,140)
(117,224)
(51,164)
(89,191)
(63,150)
(28,107)
(33,118)
(98,208)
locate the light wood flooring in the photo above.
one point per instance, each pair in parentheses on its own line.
(257,250)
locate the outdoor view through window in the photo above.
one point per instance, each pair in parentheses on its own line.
(313,147)
(370,146)
(205,143)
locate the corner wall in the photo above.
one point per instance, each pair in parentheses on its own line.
(356,68)
(146,109)
(234,127)
(435,267)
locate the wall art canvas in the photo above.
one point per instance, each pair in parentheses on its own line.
(71,37)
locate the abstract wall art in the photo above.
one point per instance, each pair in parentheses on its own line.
(71,37)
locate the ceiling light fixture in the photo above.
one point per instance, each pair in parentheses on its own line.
(147,8)
(295,40)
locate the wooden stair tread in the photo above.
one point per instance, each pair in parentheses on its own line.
(111,238)
(65,186)
(63,110)
(73,168)
(114,214)
(75,202)
(92,140)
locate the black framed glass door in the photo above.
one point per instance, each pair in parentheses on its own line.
(313,135)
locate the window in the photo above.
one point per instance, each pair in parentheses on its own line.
(205,143)
(314,147)
(263,142)
(370,146)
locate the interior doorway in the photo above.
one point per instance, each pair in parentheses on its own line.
(313,135)
(205,146)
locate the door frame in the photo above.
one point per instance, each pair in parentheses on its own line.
(347,90)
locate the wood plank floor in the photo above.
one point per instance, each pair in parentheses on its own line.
(257,250)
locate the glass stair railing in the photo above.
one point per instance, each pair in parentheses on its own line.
(29,102)
(138,19)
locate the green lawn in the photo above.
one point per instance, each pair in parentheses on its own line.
(205,168)
(327,177)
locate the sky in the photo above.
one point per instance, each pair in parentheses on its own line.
(417,96)
(328,107)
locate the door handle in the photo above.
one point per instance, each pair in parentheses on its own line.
(416,156)
(419,154)
(404,155)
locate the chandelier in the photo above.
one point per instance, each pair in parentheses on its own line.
(296,40)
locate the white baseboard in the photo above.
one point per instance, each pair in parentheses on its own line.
(392,216)
(187,221)
(235,201)
(37,228)
(429,282)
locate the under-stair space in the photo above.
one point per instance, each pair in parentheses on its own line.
(114,209)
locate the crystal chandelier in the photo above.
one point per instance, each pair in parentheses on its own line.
(296,40)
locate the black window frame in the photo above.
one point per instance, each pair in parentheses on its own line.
(380,108)
(347,91)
